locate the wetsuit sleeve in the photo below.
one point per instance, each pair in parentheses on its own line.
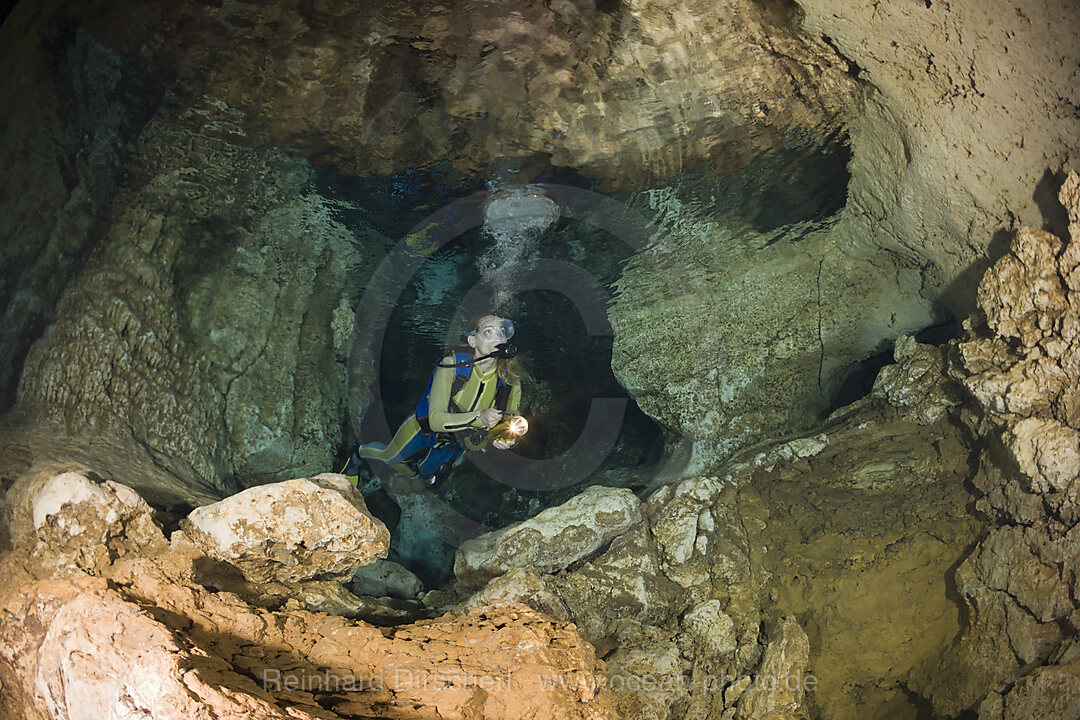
(440,418)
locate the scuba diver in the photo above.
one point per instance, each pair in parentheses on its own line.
(471,401)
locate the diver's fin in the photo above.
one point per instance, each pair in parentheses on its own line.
(351,470)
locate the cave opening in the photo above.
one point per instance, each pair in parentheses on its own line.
(201,197)
(568,361)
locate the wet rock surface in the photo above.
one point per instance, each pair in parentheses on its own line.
(385,578)
(1019,363)
(291,531)
(947,82)
(758,332)
(786,656)
(72,108)
(180,346)
(190,295)
(551,540)
(780,322)
(136,629)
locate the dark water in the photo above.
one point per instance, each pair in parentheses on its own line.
(567,366)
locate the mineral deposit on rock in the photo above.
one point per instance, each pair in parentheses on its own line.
(293,530)
(553,539)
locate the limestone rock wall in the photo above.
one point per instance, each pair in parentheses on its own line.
(968,127)
(967,123)
(204,340)
(71,106)
(1020,366)
(729,337)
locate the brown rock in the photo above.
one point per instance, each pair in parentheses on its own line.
(646,673)
(385,578)
(994,99)
(1022,295)
(150,640)
(70,519)
(623,583)
(1006,561)
(780,685)
(917,385)
(332,598)
(1051,692)
(289,531)
(1047,453)
(1020,581)
(97,655)
(523,587)
(553,539)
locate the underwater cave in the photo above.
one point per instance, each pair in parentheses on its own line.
(795,286)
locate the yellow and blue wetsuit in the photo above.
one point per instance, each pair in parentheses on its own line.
(453,407)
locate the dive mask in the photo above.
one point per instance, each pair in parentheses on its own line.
(494,328)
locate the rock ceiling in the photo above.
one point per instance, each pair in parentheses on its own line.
(626,93)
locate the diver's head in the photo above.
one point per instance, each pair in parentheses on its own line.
(487,332)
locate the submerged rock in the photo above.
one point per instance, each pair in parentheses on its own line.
(520,586)
(194,349)
(144,641)
(778,689)
(553,539)
(646,672)
(711,629)
(916,385)
(730,338)
(77,521)
(194,353)
(385,578)
(333,598)
(1048,692)
(294,530)
(133,625)
(98,655)
(1020,364)
(629,579)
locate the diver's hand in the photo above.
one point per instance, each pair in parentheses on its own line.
(503,444)
(490,417)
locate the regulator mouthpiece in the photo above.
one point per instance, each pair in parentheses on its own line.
(505,351)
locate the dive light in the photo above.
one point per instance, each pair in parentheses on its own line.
(510,429)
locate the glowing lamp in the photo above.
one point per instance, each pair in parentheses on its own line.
(509,429)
